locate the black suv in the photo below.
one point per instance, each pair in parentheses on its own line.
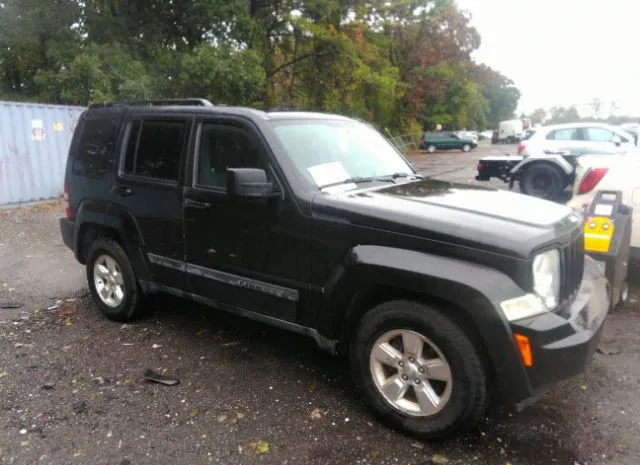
(315,223)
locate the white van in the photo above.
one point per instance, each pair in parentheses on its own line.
(510,131)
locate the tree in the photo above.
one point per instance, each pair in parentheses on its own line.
(597,106)
(538,116)
(399,64)
(500,92)
(559,115)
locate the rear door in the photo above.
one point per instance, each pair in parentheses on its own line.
(565,139)
(148,189)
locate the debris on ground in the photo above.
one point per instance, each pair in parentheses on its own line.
(439,459)
(230,344)
(605,349)
(259,447)
(9,304)
(48,386)
(79,407)
(151,375)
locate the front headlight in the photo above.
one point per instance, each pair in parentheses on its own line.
(546,277)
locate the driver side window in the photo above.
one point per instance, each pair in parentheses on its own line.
(223,146)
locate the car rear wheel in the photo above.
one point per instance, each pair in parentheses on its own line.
(112,282)
(466,147)
(431,148)
(542,181)
(418,370)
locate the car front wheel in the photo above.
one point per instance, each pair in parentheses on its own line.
(466,147)
(418,370)
(431,148)
(112,282)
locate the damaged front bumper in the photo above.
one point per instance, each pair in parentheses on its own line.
(562,344)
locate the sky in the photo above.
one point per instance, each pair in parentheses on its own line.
(562,52)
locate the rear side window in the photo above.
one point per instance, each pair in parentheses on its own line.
(95,153)
(565,134)
(154,149)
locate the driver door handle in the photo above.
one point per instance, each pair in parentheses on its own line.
(196,204)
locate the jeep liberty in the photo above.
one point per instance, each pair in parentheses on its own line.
(436,292)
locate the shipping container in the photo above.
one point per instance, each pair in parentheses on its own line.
(34,143)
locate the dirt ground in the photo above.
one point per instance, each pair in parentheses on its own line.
(72,388)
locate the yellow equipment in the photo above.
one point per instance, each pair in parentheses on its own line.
(607,239)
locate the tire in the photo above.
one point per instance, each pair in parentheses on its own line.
(431,148)
(109,252)
(542,181)
(464,399)
(466,148)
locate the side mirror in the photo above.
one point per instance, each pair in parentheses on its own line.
(616,140)
(248,182)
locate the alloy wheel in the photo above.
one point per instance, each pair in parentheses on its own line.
(108,281)
(411,373)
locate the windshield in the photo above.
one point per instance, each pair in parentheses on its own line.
(328,152)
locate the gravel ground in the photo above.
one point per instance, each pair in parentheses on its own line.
(72,386)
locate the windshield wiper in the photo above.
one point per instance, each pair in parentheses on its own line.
(357,180)
(395,176)
(361,179)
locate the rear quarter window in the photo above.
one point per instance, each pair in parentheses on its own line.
(95,153)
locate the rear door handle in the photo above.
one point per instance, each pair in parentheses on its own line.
(122,190)
(196,204)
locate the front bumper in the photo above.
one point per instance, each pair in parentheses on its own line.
(563,343)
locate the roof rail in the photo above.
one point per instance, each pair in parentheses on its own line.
(201,102)
(277,109)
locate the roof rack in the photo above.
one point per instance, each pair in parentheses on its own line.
(201,102)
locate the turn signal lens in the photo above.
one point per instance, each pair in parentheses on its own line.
(525,349)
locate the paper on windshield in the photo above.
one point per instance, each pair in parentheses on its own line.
(330,173)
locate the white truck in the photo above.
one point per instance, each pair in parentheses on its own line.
(510,131)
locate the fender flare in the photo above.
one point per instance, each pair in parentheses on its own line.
(554,160)
(106,215)
(471,288)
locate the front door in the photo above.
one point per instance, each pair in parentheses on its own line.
(238,249)
(147,190)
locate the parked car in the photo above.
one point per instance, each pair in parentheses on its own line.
(633,129)
(546,160)
(471,135)
(432,141)
(577,138)
(600,173)
(314,223)
(486,135)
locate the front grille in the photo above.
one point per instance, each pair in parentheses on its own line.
(571,268)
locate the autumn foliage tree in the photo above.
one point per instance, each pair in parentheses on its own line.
(403,65)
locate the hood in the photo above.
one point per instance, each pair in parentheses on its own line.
(474,216)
